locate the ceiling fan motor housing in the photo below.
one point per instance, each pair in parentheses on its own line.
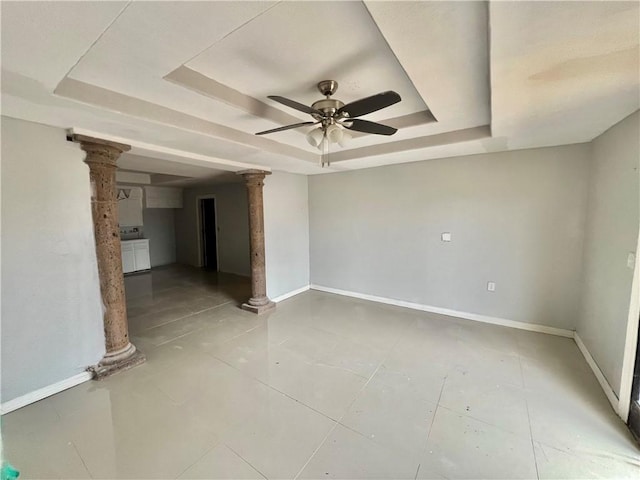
(328,106)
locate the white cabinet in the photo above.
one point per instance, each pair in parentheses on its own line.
(130,209)
(128,258)
(163,197)
(135,255)
(141,253)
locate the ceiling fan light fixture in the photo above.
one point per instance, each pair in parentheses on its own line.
(314,137)
(336,119)
(334,133)
(344,138)
(324,144)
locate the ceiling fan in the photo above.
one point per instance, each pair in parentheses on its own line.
(334,117)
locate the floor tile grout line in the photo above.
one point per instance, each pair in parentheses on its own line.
(245,374)
(158,301)
(444,380)
(526,402)
(183,317)
(246,461)
(403,450)
(339,335)
(81,459)
(207,451)
(339,421)
(297,475)
(498,427)
(398,339)
(181,336)
(193,331)
(335,422)
(295,399)
(589,456)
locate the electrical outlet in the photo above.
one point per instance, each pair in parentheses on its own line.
(491,286)
(446,236)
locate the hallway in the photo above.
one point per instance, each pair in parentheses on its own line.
(324,387)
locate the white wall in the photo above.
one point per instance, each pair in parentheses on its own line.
(286,232)
(159,227)
(51,308)
(233,227)
(611,234)
(516,218)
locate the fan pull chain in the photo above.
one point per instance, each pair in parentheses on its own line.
(324,158)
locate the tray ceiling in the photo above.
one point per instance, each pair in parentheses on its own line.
(189,80)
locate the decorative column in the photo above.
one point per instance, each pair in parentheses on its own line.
(102,157)
(259,302)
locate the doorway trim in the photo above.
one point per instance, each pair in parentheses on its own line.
(631,342)
(199,229)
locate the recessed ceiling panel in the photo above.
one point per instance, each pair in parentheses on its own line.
(444,48)
(294,45)
(150,39)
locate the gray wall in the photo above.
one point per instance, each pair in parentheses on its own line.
(51,307)
(160,229)
(611,234)
(233,227)
(286,232)
(516,218)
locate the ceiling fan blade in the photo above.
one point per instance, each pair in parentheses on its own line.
(286,127)
(370,104)
(295,105)
(369,127)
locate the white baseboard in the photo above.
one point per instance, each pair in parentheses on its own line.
(290,294)
(44,392)
(611,395)
(533,327)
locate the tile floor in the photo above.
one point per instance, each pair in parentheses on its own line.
(325,387)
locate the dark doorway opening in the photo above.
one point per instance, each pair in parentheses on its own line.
(209,233)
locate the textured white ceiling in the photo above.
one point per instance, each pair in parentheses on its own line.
(563,72)
(496,76)
(294,45)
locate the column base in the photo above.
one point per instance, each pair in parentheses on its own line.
(104,370)
(259,309)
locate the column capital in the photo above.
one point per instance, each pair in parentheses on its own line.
(253,175)
(253,171)
(99,150)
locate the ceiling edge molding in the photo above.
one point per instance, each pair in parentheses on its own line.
(165,153)
(418,143)
(124,104)
(195,81)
